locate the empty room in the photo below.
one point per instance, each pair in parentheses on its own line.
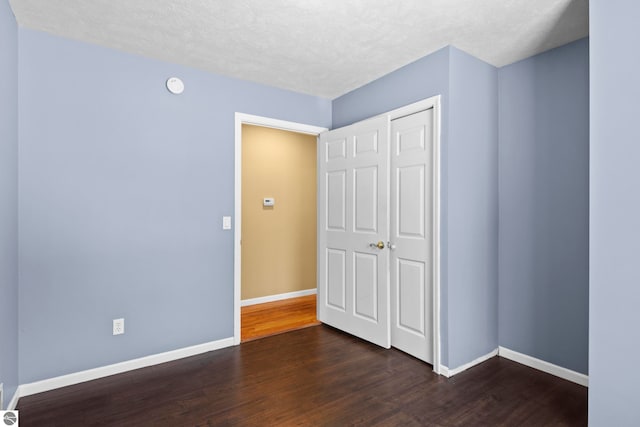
(444,191)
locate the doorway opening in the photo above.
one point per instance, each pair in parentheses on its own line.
(275,231)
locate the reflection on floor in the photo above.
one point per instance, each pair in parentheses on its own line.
(263,320)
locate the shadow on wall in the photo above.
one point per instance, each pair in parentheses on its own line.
(575,15)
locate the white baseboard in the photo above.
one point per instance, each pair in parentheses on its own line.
(14,400)
(451,372)
(129,365)
(278,297)
(543,366)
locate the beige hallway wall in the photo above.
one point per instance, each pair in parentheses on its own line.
(278,243)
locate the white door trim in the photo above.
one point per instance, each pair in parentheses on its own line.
(248,119)
(433,102)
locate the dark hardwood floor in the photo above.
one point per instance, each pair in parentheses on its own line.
(315,376)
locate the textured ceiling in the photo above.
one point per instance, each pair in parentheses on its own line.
(320,47)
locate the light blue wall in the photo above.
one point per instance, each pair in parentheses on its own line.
(424,78)
(472,209)
(469,197)
(614,267)
(8,202)
(544,206)
(122,191)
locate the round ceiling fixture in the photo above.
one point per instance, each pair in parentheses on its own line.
(175,85)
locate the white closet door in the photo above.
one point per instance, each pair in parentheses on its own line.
(353,291)
(412,154)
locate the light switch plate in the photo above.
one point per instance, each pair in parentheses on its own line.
(268,201)
(226,223)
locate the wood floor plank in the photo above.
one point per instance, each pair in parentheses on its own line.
(316,376)
(262,320)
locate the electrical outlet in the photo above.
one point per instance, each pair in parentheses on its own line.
(1,396)
(118,326)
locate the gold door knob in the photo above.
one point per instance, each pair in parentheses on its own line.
(379,245)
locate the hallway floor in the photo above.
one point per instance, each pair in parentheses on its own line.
(263,320)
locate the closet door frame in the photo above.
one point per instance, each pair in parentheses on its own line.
(426,104)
